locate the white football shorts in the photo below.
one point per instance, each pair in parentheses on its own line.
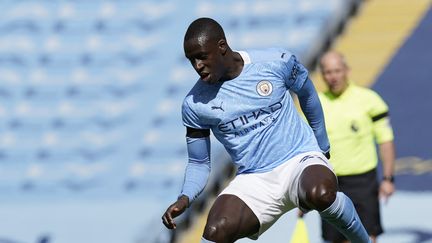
(271,194)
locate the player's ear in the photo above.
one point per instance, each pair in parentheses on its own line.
(223,46)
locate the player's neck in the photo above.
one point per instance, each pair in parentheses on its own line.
(234,66)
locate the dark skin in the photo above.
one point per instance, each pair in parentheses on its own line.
(230,218)
(212,59)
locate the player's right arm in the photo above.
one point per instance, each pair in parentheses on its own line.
(196,174)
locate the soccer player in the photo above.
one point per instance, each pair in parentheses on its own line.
(356,118)
(243,98)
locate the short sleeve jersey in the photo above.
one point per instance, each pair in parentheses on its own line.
(253,115)
(355,121)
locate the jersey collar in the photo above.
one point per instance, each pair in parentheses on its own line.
(245,56)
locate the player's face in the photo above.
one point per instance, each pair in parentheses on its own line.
(335,75)
(206,58)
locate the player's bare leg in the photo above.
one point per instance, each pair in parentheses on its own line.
(318,190)
(230,219)
(317,187)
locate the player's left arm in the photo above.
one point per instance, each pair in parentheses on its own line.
(296,78)
(311,107)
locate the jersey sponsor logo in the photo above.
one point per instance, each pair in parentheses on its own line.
(264,88)
(243,124)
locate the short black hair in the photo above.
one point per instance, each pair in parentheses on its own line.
(207,27)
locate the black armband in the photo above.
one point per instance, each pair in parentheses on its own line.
(197,133)
(380,116)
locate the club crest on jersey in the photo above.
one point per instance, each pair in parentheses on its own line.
(264,88)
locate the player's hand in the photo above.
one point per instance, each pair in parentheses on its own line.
(175,210)
(387,188)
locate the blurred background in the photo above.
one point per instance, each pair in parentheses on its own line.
(92,147)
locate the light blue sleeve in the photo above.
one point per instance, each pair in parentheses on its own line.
(295,74)
(198,168)
(190,117)
(311,107)
(297,80)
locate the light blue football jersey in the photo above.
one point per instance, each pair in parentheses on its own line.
(253,115)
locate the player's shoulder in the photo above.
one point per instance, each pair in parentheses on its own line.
(200,93)
(189,105)
(274,54)
(193,92)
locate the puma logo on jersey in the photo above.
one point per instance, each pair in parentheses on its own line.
(218,107)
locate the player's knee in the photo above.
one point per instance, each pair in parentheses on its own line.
(321,197)
(218,231)
(318,188)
